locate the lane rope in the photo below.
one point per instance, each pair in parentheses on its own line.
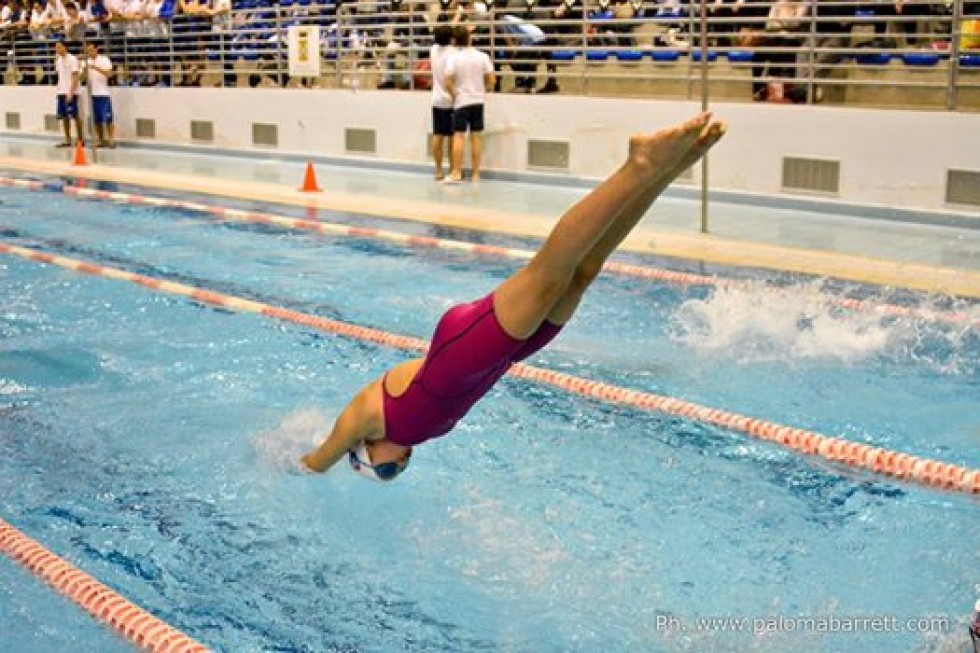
(897,465)
(128,620)
(341,230)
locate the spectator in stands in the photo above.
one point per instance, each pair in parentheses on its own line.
(66,67)
(403,27)
(671,14)
(833,33)
(41,19)
(911,15)
(449,12)
(776,56)
(74,22)
(564,31)
(522,44)
(14,27)
(98,70)
(6,12)
(469,75)
(605,21)
(908,12)
(98,17)
(442,103)
(722,15)
(527,45)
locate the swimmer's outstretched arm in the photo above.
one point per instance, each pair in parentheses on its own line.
(360,420)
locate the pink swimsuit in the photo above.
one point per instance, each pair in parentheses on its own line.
(469,353)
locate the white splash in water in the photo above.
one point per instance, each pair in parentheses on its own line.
(758,322)
(281,447)
(8,387)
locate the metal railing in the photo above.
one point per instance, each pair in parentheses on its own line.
(813,51)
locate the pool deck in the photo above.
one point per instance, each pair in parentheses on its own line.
(938,259)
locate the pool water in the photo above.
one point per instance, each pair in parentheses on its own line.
(144,438)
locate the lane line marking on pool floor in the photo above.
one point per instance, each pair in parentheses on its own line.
(901,466)
(644,240)
(128,620)
(333,229)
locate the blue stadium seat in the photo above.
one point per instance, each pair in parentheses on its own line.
(629,55)
(696,55)
(873,59)
(597,55)
(739,56)
(564,55)
(970,60)
(665,55)
(920,59)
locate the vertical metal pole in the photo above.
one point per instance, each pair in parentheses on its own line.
(811,54)
(91,102)
(280,35)
(954,54)
(585,48)
(704,107)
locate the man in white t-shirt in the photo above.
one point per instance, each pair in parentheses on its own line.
(66,66)
(469,73)
(442,103)
(98,69)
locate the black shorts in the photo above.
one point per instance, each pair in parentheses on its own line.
(468,119)
(442,121)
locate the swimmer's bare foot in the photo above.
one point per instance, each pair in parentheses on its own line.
(440,176)
(710,135)
(475,177)
(453,179)
(657,154)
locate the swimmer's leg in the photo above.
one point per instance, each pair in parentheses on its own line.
(524,300)
(592,264)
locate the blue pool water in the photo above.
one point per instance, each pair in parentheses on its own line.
(142,437)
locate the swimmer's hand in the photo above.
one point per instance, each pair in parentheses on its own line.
(306,465)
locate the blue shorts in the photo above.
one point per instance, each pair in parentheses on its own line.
(442,121)
(102,110)
(67,109)
(468,118)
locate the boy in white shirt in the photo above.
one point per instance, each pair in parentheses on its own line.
(442,103)
(469,73)
(40,20)
(98,69)
(66,65)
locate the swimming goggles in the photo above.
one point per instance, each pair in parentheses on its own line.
(360,462)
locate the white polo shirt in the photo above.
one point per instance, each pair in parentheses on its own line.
(467,68)
(98,81)
(439,56)
(65,66)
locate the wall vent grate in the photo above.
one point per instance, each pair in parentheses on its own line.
(146,128)
(811,175)
(547,154)
(264,134)
(202,131)
(362,141)
(963,187)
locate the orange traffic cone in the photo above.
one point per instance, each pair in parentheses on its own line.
(309,180)
(80,159)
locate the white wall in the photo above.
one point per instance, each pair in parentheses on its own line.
(896,158)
